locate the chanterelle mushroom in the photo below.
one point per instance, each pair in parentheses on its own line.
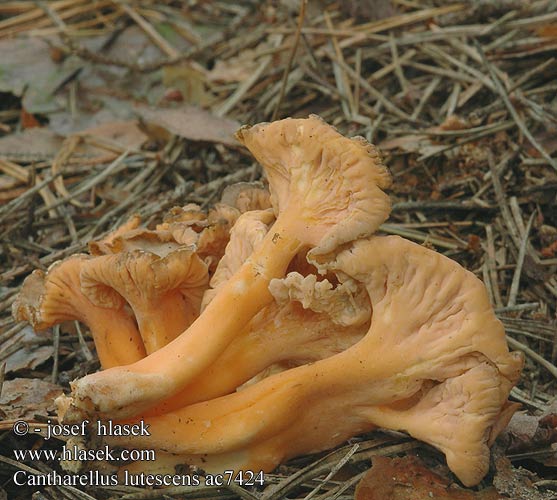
(164,292)
(434,363)
(326,190)
(48,299)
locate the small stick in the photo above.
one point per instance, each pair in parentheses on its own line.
(347,103)
(84,347)
(357,82)
(515,344)
(301,17)
(491,266)
(396,61)
(56,347)
(519,263)
(433,84)
(385,70)
(151,32)
(239,93)
(333,471)
(529,74)
(502,202)
(2,373)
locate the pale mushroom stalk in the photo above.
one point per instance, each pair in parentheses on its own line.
(327,190)
(446,361)
(48,299)
(161,321)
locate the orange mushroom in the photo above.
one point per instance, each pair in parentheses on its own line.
(434,363)
(164,292)
(246,196)
(326,190)
(48,299)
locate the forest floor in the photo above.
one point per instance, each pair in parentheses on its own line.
(113,108)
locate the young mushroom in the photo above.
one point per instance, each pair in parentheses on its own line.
(48,299)
(434,363)
(326,190)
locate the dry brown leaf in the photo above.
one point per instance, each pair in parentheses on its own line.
(415,143)
(235,69)
(31,354)
(32,144)
(192,123)
(122,134)
(26,397)
(452,122)
(408,477)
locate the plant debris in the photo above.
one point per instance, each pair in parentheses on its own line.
(460,96)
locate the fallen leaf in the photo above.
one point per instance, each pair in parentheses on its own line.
(25,397)
(235,69)
(516,483)
(192,123)
(22,60)
(31,353)
(42,143)
(408,478)
(123,134)
(550,250)
(414,143)
(32,144)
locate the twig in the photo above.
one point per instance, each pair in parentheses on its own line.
(56,349)
(491,266)
(2,373)
(334,470)
(519,262)
(515,344)
(301,17)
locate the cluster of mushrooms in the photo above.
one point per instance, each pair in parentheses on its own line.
(280,325)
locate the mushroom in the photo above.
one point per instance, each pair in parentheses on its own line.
(303,324)
(246,196)
(108,244)
(326,191)
(247,233)
(434,363)
(48,299)
(309,320)
(164,291)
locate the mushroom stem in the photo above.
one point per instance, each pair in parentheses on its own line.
(293,335)
(125,391)
(273,410)
(162,321)
(125,349)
